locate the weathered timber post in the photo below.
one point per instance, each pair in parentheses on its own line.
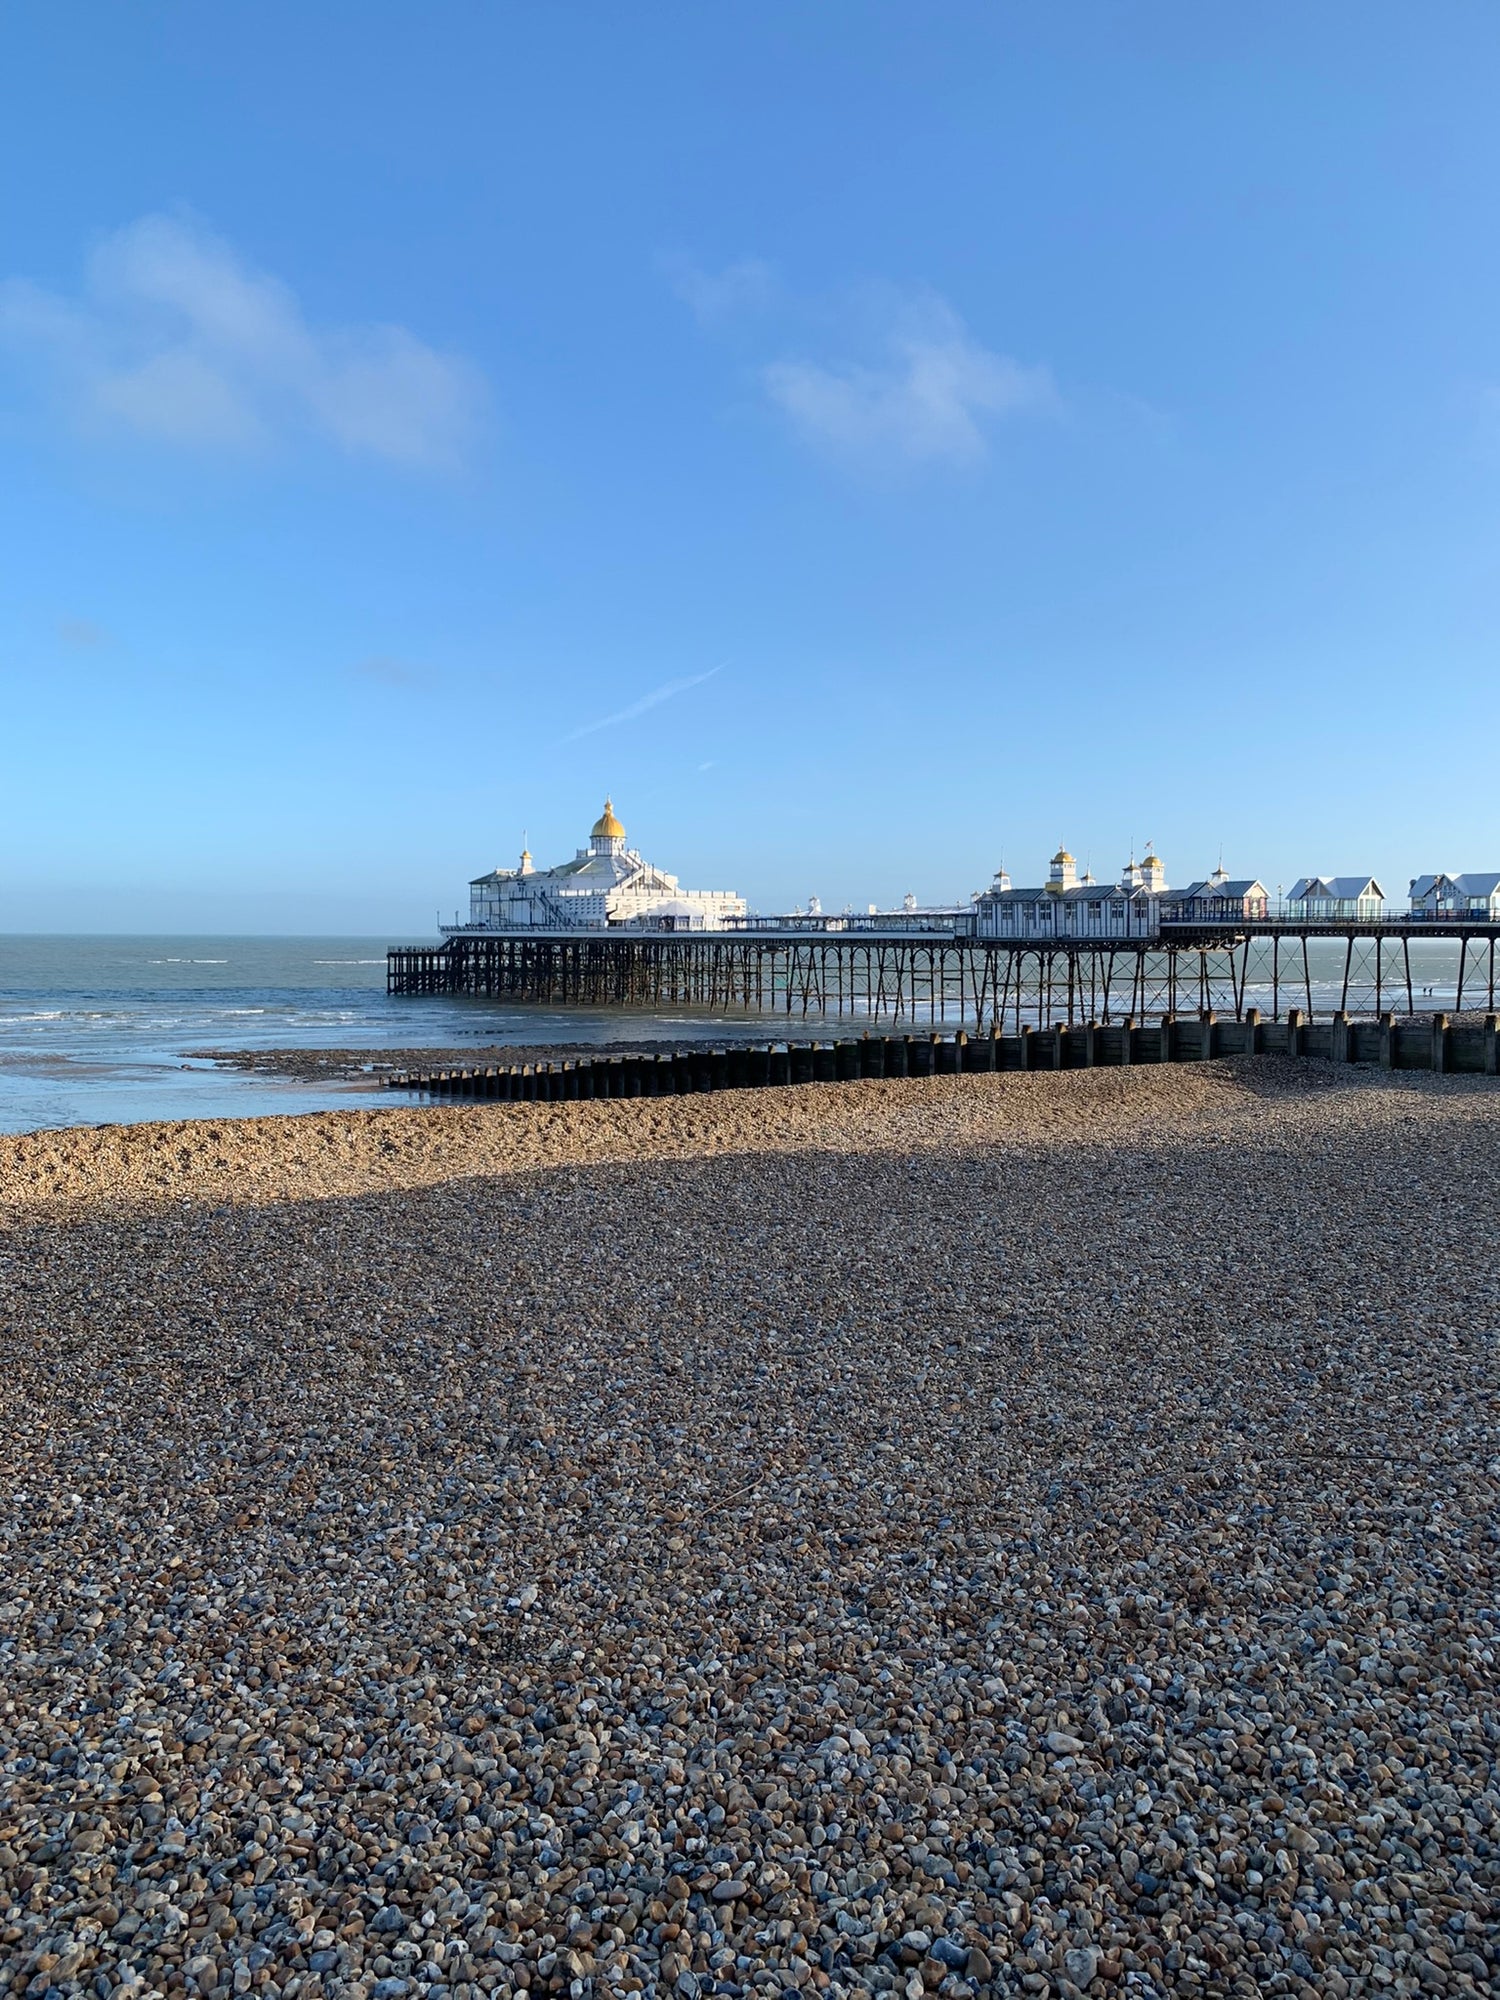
(682,1072)
(946,1057)
(1296,1034)
(1252,1031)
(1127,1029)
(757,1068)
(1028,1046)
(960,1052)
(1491,1032)
(898,1055)
(779,1064)
(825,1062)
(1164,1044)
(1091,1045)
(1343,1041)
(872,1055)
(847,1056)
(1387,1041)
(1206,1035)
(1442,1046)
(802,1062)
(718,1069)
(920,1056)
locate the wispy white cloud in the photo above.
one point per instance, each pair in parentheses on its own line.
(647,701)
(931,395)
(746,285)
(176,338)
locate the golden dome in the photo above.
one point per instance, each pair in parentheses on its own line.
(606,826)
(1062,858)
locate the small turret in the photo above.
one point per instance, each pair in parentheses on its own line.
(1062,872)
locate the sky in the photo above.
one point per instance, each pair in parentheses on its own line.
(873,443)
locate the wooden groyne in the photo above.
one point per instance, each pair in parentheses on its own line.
(1431,1044)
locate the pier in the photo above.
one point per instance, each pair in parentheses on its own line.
(944,975)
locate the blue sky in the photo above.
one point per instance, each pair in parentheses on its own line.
(870,441)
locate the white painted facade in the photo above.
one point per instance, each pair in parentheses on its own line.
(605,885)
(1065,908)
(1351,899)
(1450,897)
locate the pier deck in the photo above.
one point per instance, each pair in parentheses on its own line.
(928,976)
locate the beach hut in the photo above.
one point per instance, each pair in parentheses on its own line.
(1450,897)
(1337,899)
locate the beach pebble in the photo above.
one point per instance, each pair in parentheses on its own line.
(1028,1533)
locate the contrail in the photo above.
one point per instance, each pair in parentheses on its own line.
(653,700)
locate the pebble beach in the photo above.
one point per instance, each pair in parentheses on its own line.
(989,1535)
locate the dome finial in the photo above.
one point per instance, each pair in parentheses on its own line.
(606,826)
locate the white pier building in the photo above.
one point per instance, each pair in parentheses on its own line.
(1067,908)
(606,885)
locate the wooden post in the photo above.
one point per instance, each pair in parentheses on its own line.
(1342,1042)
(1296,1039)
(1492,1044)
(1252,1031)
(1442,1048)
(1387,1041)
(848,1056)
(1164,1045)
(1206,1035)
(945,1056)
(825,1063)
(898,1055)
(1091,1046)
(757,1068)
(1127,1029)
(1028,1046)
(682,1073)
(718,1069)
(779,1065)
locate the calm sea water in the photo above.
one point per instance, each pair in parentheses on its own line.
(102,1030)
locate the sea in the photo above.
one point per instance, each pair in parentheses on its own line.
(110,1030)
